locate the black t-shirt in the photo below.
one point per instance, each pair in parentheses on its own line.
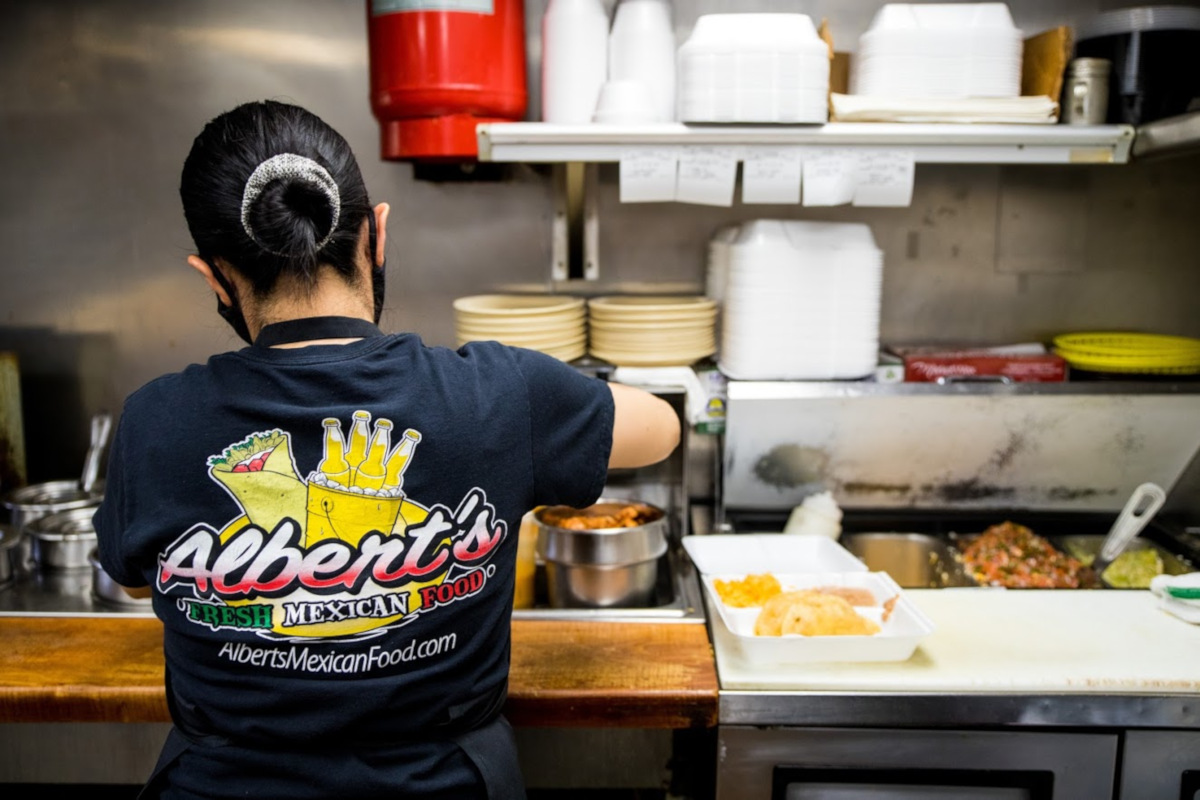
(326,577)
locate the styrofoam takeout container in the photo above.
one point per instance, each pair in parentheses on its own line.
(766,68)
(747,553)
(939,50)
(897,641)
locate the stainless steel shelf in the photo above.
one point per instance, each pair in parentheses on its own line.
(930,143)
(805,390)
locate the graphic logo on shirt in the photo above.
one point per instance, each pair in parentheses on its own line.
(342,554)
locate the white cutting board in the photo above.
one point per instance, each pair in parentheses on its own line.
(992,640)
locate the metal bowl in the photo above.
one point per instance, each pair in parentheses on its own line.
(62,540)
(622,586)
(30,503)
(601,567)
(914,560)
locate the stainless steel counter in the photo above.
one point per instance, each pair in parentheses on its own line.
(958,710)
(789,699)
(61,593)
(69,593)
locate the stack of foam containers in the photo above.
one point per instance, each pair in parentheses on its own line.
(717,262)
(801,302)
(943,51)
(754,68)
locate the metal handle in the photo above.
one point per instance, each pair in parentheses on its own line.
(101,426)
(1147,499)
(946,379)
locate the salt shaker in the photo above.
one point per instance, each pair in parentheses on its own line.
(1085,98)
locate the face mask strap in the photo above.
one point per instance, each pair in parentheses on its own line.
(231,313)
(378,271)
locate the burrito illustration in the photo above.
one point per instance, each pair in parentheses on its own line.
(261,475)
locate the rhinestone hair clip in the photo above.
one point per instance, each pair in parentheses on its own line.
(290,165)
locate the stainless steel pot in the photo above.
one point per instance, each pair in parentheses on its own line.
(31,503)
(601,567)
(62,540)
(106,590)
(10,555)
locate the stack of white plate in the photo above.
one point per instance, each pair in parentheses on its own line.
(754,68)
(555,325)
(944,50)
(802,302)
(652,331)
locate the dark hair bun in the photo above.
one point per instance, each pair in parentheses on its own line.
(291,218)
(290,206)
(273,190)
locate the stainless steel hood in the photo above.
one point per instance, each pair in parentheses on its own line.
(1050,447)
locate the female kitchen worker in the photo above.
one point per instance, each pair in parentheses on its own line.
(328,517)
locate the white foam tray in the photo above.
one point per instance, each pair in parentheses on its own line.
(733,628)
(747,553)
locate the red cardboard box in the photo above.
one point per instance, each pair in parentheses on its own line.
(1019,364)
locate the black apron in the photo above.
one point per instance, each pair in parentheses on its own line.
(476,726)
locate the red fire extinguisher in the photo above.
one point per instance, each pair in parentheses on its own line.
(440,67)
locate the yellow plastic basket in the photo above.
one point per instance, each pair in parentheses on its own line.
(1130,352)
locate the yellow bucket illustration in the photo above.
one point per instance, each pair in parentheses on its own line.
(339,514)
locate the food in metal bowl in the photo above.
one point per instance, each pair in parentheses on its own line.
(1133,569)
(600,516)
(602,556)
(1015,557)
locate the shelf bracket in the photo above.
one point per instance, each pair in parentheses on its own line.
(591,222)
(575,230)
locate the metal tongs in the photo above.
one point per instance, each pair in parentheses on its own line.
(1141,507)
(101,425)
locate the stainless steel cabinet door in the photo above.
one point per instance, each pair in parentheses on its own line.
(844,763)
(1161,765)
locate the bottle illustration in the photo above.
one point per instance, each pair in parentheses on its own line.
(398,461)
(334,465)
(360,439)
(372,471)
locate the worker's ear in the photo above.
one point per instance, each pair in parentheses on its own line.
(206,271)
(381,212)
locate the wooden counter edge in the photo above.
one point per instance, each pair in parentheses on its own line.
(564,674)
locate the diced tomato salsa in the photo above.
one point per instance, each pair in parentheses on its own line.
(1013,556)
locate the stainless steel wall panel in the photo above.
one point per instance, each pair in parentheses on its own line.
(952,450)
(99,102)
